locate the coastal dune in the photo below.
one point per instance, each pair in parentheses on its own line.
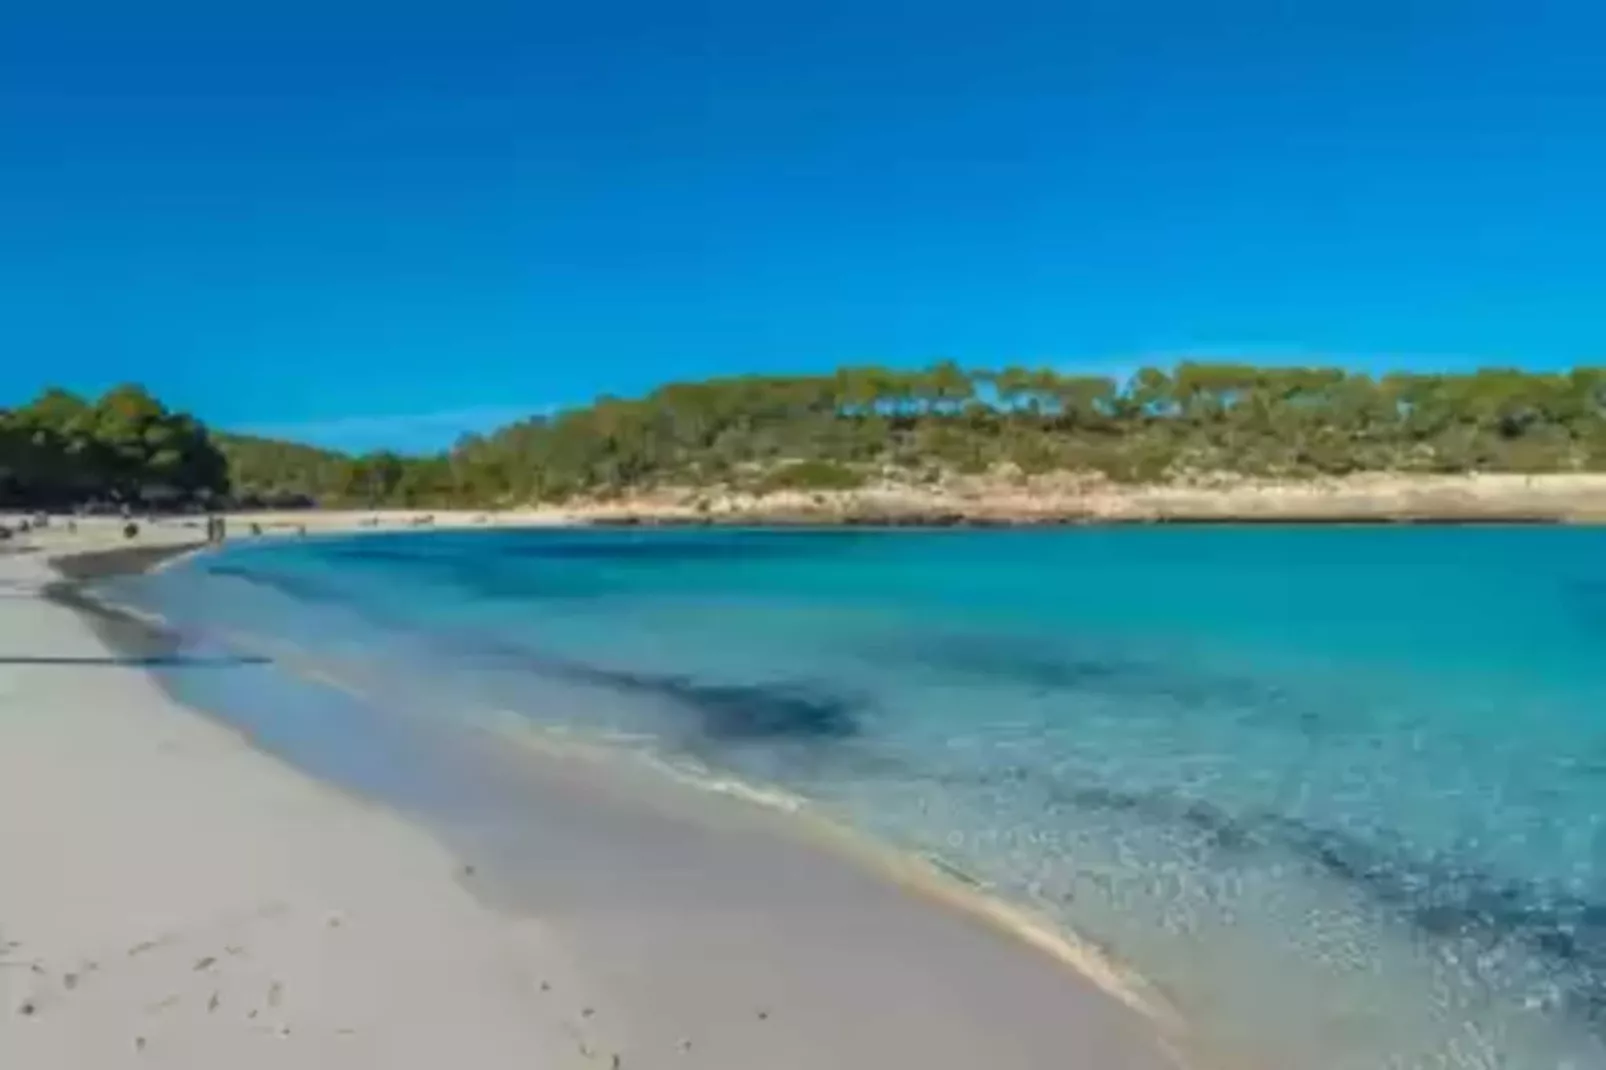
(172,896)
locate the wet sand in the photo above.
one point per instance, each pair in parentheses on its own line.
(576,913)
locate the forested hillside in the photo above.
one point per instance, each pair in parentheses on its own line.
(125,448)
(270,472)
(836,431)
(1198,418)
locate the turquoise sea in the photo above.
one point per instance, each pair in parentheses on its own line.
(1338,793)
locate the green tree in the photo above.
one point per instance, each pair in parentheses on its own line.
(126,448)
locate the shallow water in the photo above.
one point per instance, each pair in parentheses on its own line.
(1339,793)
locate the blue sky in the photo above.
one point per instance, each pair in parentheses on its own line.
(381,224)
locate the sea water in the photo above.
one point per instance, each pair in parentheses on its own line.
(1339,794)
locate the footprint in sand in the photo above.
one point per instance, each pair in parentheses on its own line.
(163,1004)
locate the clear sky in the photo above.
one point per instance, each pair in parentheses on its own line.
(381,223)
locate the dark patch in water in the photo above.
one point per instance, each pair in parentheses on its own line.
(1020,662)
(1112,801)
(1217,828)
(746,711)
(295,586)
(1441,899)
(371,550)
(488,580)
(727,712)
(1217,825)
(1454,901)
(485,576)
(737,712)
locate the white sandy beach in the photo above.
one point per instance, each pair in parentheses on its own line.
(171,898)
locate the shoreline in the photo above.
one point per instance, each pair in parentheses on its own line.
(908,874)
(89,565)
(174,898)
(128,633)
(1056,500)
(945,521)
(921,873)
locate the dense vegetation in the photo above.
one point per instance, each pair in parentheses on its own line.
(270,472)
(125,449)
(837,431)
(834,431)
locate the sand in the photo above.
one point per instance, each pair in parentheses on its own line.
(88,534)
(171,896)
(1055,498)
